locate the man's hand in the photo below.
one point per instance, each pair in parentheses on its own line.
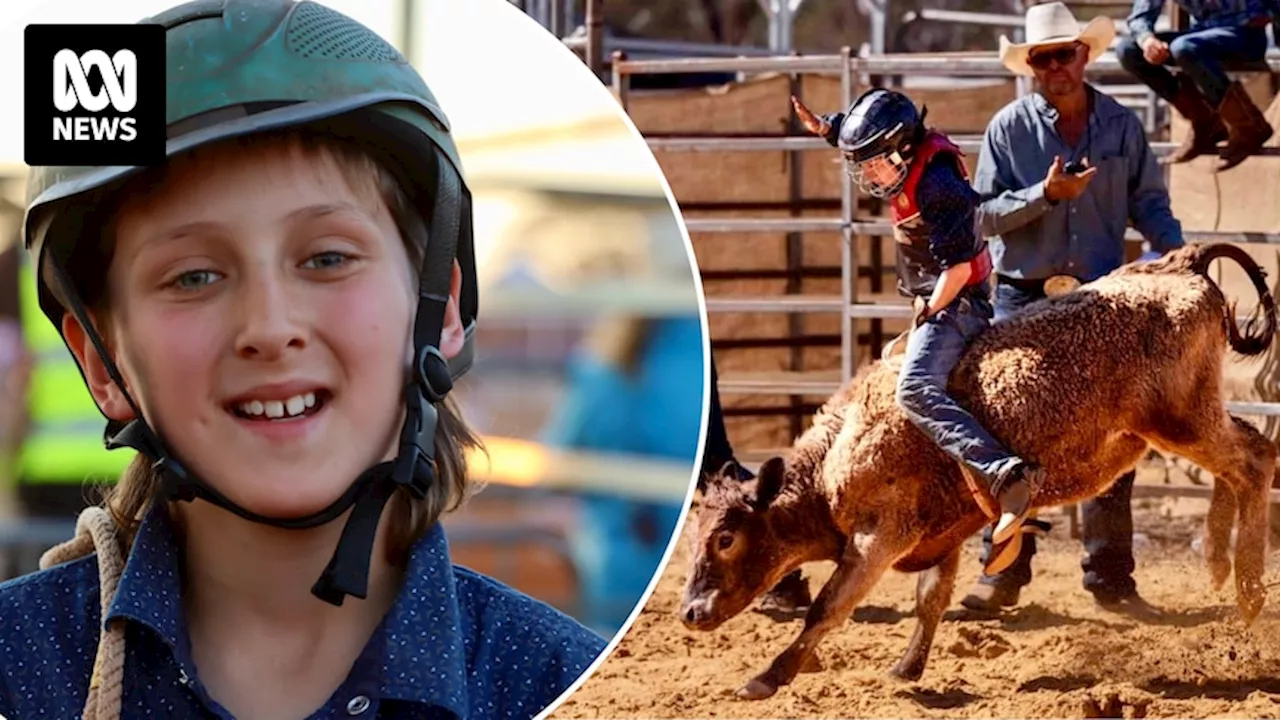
(1061,185)
(1155,50)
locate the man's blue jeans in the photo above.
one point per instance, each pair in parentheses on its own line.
(1198,54)
(933,349)
(1107,530)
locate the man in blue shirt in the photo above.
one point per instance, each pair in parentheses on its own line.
(1062,172)
(1217,108)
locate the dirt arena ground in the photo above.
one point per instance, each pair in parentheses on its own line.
(1056,655)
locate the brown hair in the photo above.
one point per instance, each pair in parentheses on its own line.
(133,493)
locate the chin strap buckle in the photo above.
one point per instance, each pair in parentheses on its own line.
(415,465)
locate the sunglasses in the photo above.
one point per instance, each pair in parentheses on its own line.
(1063,55)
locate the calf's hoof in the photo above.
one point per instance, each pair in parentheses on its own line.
(756,689)
(1250,601)
(907,671)
(1219,568)
(1220,571)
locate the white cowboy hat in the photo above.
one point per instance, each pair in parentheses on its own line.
(1053,24)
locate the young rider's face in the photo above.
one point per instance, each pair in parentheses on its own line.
(878,174)
(261,313)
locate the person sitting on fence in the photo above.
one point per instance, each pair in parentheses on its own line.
(1217,107)
(944,266)
(262,318)
(1054,224)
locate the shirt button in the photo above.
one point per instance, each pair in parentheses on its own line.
(357,705)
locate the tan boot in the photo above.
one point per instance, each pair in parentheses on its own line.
(1015,493)
(1206,129)
(1247,128)
(1004,554)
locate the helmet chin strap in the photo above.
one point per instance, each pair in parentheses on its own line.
(414,467)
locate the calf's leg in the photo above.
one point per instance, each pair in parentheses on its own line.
(865,560)
(1217,535)
(933,595)
(1235,453)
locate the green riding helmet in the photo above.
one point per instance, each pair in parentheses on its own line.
(236,67)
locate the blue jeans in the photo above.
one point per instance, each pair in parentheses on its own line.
(1198,54)
(933,349)
(1107,530)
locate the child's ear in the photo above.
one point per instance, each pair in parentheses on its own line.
(105,392)
(453,335)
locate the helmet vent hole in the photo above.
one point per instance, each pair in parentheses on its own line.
(316,31)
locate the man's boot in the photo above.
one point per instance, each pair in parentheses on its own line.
(1207,129)
(1247,127)
(991,598)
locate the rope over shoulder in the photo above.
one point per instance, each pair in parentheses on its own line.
(95,531)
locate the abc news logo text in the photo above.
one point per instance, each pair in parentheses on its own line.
(71,89)
(95,94)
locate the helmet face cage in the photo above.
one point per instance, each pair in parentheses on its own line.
(880,176)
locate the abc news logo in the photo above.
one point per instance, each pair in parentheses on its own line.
(71,90)
(95,95)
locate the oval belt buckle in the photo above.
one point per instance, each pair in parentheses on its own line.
(1060,285)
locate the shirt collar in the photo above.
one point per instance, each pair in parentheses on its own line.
(424,657)
(150,589)
(1103,106)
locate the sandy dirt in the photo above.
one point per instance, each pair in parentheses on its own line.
(1056,655)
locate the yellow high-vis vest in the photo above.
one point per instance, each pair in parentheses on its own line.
(64,442)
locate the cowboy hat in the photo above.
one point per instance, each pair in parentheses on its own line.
(1053,24)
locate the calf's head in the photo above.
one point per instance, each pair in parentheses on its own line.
(737,553)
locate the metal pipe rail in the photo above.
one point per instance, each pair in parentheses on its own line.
(610,43)
(698,144)
(978,64)
(798,304)
(884,229)
(897,309)
(827,383)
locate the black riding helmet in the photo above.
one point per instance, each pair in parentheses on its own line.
(880,123)
(236,67)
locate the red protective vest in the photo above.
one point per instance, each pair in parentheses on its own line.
(909,228)
(904,203)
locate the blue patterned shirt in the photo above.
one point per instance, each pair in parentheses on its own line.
(454,645)
(1204,13)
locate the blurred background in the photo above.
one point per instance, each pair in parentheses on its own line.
(588,387)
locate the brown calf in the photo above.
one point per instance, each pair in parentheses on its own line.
(1082,383)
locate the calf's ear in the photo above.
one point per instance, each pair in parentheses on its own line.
(769,482)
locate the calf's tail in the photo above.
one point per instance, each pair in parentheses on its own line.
(1260,326)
